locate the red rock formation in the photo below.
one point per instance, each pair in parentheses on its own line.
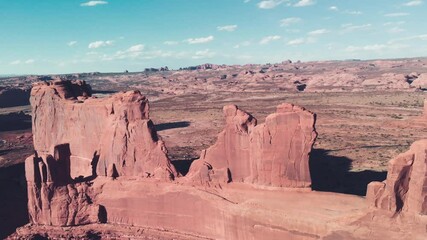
(77,138)
(405,188)
(53,198)
(110,133)
(274,153)
(425,108)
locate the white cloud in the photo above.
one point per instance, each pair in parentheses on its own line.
(374,47)
(204,54)
(93,3)
(268,39)
(132,52)
(397,14)
(300,41)
(396,30)
(99,44)
(350,27)
(71,43)
(413,3)
(352,12)
(288,21)
(228,28)
(394,23)
(422,37)
(269,4)
(243,44)
(304,3)
(318,32)
(136,48)
(333,8)
(29,61)
(15,62)
(199,40)
(170,43)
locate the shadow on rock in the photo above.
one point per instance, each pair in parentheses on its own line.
(172,125)
(332,174)
(182,166)
(13,200)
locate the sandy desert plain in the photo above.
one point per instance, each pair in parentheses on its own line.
(367,113)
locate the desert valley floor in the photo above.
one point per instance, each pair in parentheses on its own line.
(367,114)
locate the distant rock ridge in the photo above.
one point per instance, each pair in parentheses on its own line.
(274,153)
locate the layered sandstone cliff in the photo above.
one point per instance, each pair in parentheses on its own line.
(274,153)
(113,134)
(76,139)
(405,189)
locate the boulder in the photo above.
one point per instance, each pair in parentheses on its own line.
(274,153)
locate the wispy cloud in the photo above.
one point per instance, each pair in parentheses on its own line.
(299,41)
(170,43)
(268,39)
(93,3)
(353,12)
(227,28)
(28,61)
(351,28)
(397,14)
(132,52)
(396,30)
(304,3)
(413,3)
(71,43)
(269,4)
(289,21)
(204,54)
(421,37)
(374,47)
(242,44)
(98,44)
(318,32)
(199,40)
(333,8)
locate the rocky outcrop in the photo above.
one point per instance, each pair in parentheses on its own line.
(425,109)
(405,189)
(113,134)
(77,138)
(274,153)
(53,198)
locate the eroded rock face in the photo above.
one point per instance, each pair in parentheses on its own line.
(405,189)
(76,139)
(53,197)
(115,134)
(274,153)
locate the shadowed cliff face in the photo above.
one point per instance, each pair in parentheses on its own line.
(13,200)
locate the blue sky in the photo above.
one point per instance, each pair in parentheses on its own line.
(52,36)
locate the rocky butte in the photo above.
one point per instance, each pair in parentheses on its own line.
(100,161)
(274,153)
